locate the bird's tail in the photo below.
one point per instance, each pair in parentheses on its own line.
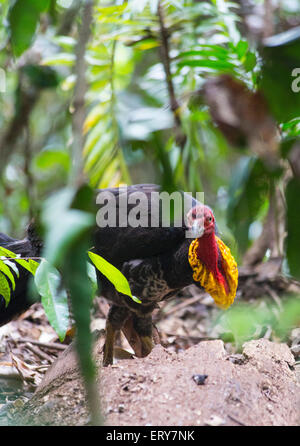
(20,298)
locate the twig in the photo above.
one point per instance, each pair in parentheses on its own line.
(77,178)
(28,173)
(69,18)
(274,296)
(79,94)
(28,96)
(192,338)
(20,258)
(165,58)
(236,420)
(27,99)
(38,352)
(50,345)
(184,304)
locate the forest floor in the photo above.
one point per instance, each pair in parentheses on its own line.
(193,379)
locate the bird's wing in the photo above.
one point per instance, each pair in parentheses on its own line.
(118,244)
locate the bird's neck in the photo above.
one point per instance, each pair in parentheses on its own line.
(208,253)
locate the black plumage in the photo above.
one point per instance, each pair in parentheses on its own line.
(21,298)
(153,259)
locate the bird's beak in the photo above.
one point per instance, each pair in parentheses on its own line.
(198,228)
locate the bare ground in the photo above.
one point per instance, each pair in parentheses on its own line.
(259,387)
(195,379)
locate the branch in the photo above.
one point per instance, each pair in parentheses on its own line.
(165,58)
(294,160)
(86,363)
(273,233)
(79,94)
(26,98)
(69,18)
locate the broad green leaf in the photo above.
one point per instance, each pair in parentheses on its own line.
(94,116)
(79,286)
(280,79)
(12,266)
(47,159)
(53,297)
(212,51)
(4,289)
(91,272)
(113,275)
(244,322)
(7,272)
(63,224)
(23,19)
(111,10)
(30,264)
(65,59)
(293,226)
(248,194)
(41,76)
(241,48)
(207,63)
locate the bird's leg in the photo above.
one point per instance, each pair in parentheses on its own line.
(115,320)
(155,335)
(143,326)
(108,349)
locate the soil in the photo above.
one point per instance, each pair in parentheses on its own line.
(193,379)
(203,385)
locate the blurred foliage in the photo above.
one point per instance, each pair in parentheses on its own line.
(244,322)
(147,121)
(276,78)
(23,19)
(129,126)
(9,262)
(113,274)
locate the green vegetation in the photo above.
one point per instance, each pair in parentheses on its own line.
(181,93)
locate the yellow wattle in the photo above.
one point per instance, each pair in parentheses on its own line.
(208,281)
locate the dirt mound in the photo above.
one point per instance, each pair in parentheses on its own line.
(200,386)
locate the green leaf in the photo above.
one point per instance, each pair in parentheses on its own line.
(113,275)
(250,61)
(30,265)
(293,226)
(280,78)
(50,158)
(217,52)
(40,76)
(23,18)
(4,289)
(65,59)
(241,48)
(207,63)
(54,298)
(244,322)
(72,224)
(7,272)
(248,193)
(12,266)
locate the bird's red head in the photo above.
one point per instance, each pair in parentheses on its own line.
(201,220)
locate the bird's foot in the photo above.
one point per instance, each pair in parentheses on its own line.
(108,349)
(108,356)
(147,345)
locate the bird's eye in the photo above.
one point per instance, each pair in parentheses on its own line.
(209,219)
